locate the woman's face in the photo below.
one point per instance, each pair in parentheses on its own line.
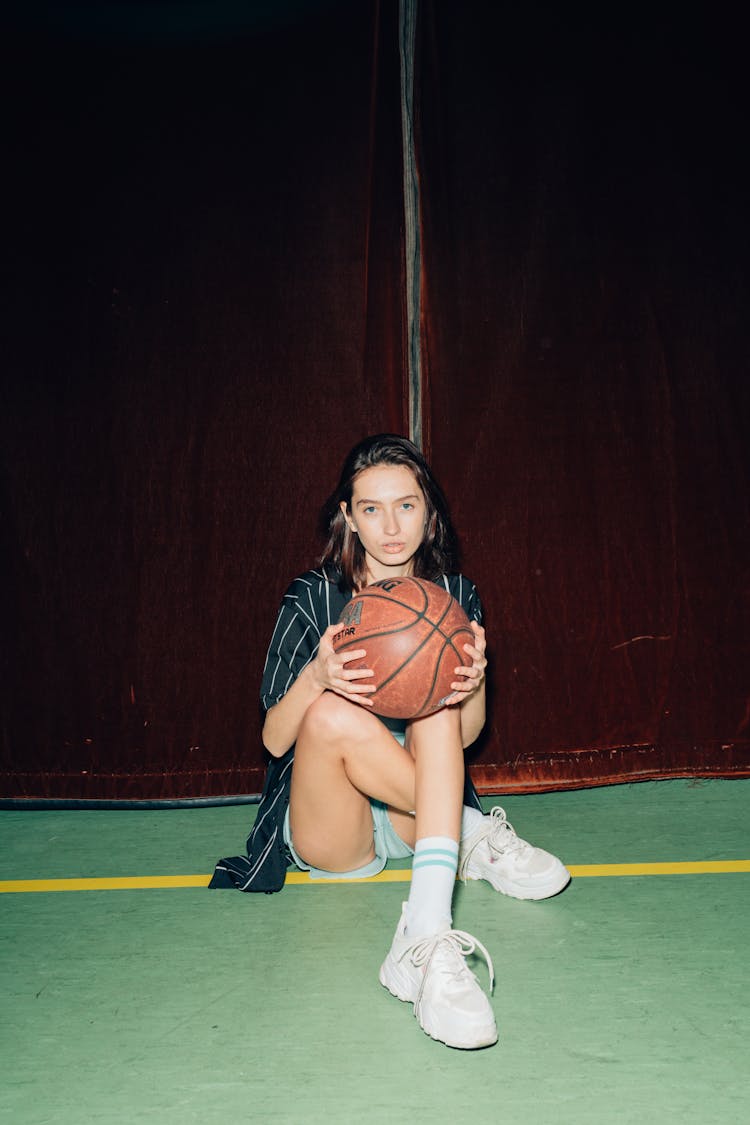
(388,513)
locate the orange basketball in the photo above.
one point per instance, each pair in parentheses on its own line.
(413,632)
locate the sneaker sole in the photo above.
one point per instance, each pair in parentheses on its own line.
(486,1037)
(402,987)
(551,886)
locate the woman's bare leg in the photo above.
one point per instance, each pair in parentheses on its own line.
(435,744)
(343,757)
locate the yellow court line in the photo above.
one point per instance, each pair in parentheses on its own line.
(581,871)
(703,867)
(125,883)
(394,875)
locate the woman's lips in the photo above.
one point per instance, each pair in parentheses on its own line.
(393,548)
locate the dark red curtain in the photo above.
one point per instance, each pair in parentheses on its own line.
(207,308)
(587,344)
(205,245)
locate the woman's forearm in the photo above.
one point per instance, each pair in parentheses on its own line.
(284,719)
(473,715)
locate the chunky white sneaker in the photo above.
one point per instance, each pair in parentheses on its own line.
(432,974)
(510,864)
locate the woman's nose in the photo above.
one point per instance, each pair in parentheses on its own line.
(391,523)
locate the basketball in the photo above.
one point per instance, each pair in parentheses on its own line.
(413,632)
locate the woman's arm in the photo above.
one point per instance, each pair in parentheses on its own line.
(470,693)
(473,715)
(284,719)
(327,672)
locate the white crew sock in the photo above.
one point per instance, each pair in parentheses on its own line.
(433,879)
(471,819)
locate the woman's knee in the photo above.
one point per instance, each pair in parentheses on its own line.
(331,718)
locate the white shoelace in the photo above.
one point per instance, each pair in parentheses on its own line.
(459,942)
(501,838)
(502,835)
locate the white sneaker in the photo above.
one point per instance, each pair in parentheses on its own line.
(510,864)
(432,974)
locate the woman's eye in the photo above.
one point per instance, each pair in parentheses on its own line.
(407,506)
(369,509)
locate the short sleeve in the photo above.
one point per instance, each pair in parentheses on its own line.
(294,642)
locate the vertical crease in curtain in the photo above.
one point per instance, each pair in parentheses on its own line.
(407,36)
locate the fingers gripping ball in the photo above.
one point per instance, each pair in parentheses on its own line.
(413,632)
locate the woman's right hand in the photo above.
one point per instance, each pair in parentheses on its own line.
(330,672)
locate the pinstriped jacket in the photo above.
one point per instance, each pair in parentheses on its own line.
(309,606)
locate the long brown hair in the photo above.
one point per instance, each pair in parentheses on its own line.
(343,559)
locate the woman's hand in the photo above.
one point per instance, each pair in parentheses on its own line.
(330,672)
(474,674)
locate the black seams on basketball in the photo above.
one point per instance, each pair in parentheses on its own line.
(413,632)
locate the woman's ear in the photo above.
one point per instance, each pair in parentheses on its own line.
(347,517)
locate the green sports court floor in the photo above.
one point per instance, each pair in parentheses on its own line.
(625,999)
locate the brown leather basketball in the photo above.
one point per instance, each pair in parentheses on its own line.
(413,633)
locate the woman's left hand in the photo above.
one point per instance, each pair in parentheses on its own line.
(475,673)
